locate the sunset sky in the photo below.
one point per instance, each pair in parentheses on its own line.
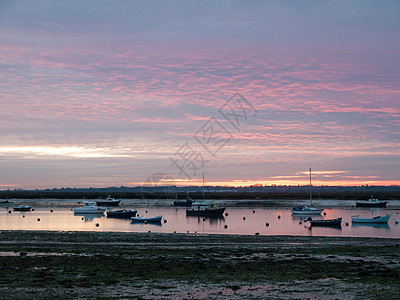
(111,93)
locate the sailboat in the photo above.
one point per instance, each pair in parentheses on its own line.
(305,210)
(203,209)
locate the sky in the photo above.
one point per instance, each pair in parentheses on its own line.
(112,93)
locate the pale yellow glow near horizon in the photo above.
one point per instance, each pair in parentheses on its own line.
(244,183)
(69,151)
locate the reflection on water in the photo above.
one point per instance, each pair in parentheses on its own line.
(302,218)
(157,224)
(337,227)
(264,221)
(324,231)
(375,225)
(210,219)
(88,217)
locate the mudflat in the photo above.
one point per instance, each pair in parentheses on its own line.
(45,264)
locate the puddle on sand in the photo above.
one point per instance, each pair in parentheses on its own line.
(213,291)
(12,253)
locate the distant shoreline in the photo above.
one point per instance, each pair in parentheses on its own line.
(244,194)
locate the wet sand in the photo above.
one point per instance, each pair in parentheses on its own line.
(41,264)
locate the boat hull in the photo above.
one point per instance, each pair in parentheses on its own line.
(182,203)
(108,203)
(368,204)
(122,214)
(89,211)
(326,223)
(379,219)
(146,220)
(22,208)
(218,212)
(307,211)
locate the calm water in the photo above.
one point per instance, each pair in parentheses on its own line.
(237,221)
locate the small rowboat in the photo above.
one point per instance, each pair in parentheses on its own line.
(329,222)
(122,214)
(378,219)
(146,220)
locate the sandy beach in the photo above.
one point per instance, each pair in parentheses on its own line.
(42,264)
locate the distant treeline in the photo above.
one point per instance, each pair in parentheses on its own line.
(233,195)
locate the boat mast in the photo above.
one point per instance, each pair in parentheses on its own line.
(203,186)
(310,187)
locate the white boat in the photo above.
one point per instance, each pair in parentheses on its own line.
(89,208)
(305,210)
(377,219)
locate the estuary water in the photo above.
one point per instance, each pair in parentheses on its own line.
(243,221)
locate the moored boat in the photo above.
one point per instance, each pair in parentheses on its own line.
(305,210)
(377,219)
(327,222)
(372,202)
(187,203)
(22,208)
(89,208)
(210,210)
(108,202)
(146,219)
(122,214)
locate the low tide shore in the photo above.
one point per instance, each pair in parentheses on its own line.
(43,264)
